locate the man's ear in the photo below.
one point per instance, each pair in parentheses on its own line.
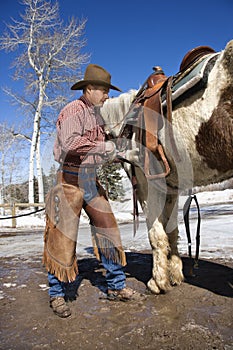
(88,88)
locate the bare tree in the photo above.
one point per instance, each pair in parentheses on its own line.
(8,160)
(50,58)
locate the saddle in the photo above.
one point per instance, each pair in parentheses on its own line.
(156,95)
(149,120)
(193,55)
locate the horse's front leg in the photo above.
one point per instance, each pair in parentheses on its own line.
(163,236)
(160,281)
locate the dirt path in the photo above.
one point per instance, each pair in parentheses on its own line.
(196,315)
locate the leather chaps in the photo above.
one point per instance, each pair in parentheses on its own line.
(64,203)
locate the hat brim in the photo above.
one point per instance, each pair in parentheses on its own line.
(82,83)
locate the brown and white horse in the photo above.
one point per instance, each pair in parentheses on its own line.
(202,126)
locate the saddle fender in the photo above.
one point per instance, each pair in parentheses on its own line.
(150,99)
(152,108)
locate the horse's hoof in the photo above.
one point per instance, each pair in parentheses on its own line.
(151,285)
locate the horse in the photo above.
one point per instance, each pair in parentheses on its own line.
(197,143)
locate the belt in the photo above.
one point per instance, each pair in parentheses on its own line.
(77,170)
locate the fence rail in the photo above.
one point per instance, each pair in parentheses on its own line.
(13,207)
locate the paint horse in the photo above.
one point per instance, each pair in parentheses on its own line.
(193,128)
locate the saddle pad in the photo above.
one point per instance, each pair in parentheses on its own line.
(198,72)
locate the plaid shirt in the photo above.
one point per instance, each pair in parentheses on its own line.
(80,134)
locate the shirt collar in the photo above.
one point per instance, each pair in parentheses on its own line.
(86,101)
(95,109)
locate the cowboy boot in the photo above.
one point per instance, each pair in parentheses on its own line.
(59,306)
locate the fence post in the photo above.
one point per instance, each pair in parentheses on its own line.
(13,211)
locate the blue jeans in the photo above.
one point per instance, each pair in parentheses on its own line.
(115,278)
(87,181)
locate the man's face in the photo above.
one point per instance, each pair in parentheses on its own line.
(97,95)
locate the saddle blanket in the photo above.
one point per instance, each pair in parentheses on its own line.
(194,76)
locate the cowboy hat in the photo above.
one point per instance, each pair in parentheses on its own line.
(95,74)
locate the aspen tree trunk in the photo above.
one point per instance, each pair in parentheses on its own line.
(39,172)
(34,148)
(31,161)
(37,118)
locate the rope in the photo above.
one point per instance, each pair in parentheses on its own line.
(18,216)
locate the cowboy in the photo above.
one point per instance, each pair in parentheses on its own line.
(80,147)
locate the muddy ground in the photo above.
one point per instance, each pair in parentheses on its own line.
(195,315)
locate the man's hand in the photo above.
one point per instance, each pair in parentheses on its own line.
(110,149)
(131,156)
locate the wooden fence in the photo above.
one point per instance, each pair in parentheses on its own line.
(13,208)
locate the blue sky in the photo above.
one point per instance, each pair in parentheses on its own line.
(129,37)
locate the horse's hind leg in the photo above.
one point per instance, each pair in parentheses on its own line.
(160,281)
(175,262)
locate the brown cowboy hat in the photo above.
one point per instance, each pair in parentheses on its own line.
(95,74)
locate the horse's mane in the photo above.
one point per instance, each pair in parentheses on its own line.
(115,108)
(123,100)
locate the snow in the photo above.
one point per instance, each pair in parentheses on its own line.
(216,228)
(211,197)
(122,209)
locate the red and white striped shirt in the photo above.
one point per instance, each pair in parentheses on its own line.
(80,134)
